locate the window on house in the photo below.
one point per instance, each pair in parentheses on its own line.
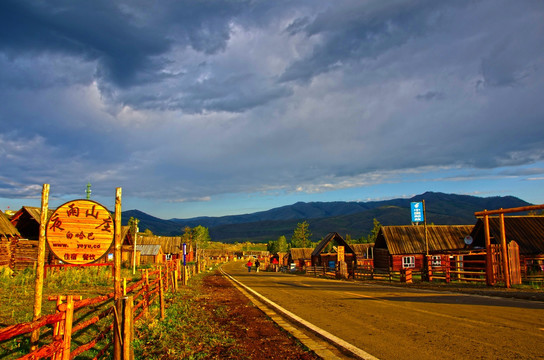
(408,262)
(436,261)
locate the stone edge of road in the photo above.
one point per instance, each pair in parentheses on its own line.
(320,350)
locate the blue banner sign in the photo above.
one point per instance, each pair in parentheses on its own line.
(184,254)
(417,211)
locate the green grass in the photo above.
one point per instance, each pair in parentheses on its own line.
(17,302)
(188,330)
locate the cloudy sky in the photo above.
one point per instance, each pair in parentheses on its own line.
(216,107)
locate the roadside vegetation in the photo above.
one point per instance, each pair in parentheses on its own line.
(188,330)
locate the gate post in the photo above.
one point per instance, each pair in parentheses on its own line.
(128,327)
(68,319)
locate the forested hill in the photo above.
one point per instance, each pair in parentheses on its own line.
(354,218)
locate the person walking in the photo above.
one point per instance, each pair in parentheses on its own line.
(249,265)
(275,264)
(257,265)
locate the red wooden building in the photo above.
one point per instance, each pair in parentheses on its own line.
(404,247)
(301,257)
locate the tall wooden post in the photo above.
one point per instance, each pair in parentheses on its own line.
(161,293)
(136,229)
(38,286)
(489,275)
(68,319)
(128,327)
(428,269)
(117,350)
(146,295)
(504,250)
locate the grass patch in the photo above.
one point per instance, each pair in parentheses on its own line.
(17,302)
(187,332)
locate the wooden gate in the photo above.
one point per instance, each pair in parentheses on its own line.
(513,263)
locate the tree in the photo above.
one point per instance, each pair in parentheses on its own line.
(133,225)
(282,244)
(374,233)
(199,236)
(272,247)
(301,236)
(277,246)
(148,232)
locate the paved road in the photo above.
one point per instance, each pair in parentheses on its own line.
(396,323)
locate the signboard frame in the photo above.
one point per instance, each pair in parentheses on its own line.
(80,232)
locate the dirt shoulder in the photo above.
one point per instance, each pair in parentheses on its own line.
(257,337)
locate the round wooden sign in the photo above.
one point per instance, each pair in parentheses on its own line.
(80,231)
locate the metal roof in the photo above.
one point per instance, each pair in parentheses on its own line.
(410,239)
(169,244)
(148,250)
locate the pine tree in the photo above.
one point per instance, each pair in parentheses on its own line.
(301,236)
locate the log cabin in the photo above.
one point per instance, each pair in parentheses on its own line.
(404,247)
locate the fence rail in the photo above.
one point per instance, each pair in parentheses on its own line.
(100,310)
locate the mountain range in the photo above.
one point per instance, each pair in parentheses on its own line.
(353,218)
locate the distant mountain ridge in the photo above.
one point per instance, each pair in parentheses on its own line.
(354,218)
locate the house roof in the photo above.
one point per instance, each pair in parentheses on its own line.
(6,227)
(361,249)
(333,236)
(410,239)
(527,231)
(149,250)
(33,212)
(301,253)
(169,244)
(216,252)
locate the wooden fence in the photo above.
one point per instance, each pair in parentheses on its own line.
(532,268)
(99,315)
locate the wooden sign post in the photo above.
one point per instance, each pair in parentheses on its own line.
(40,266)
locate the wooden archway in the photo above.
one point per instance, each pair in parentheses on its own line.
(490,279)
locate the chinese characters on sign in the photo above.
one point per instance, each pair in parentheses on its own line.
(340,253)
(80,231)
(417,211)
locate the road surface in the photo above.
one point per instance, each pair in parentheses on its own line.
(397,323)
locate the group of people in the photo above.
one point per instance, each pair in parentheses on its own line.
(250,265)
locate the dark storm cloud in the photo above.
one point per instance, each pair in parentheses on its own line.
(188,99)
(360,30)
(97,30)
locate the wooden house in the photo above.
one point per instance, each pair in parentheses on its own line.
(27,221)
(150,254)
(301,257)
(215,256)
(404,247)
(326,253)
(15,252)
(9,237)
(363,251)
(526,231)
(364,254)
(172,246)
